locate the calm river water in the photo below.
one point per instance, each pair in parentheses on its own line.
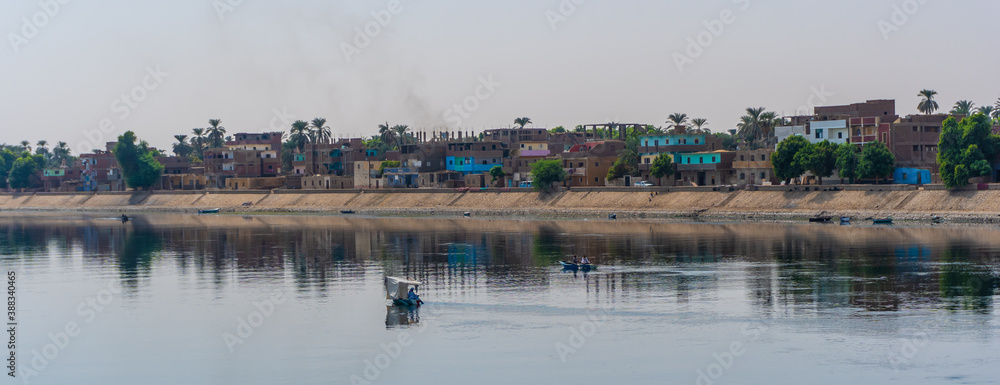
(183,299)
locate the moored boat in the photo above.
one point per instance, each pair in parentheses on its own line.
(820,219)
(209,211)
(882,221)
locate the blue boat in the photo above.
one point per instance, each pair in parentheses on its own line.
(209,211)
(574,266)
(397,290)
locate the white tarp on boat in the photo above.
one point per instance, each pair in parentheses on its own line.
(396,288)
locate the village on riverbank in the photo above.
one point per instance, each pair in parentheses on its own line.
(862,143)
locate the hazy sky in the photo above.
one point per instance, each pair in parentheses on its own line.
(257,63)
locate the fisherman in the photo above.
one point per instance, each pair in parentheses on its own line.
(412,296)
(586,261)
(576,260)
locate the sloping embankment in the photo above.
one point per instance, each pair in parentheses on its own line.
(741,204)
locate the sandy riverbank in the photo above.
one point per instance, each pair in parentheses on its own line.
(974,206)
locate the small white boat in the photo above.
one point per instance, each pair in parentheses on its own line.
(397,290)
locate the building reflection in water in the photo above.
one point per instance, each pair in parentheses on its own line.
(783,267)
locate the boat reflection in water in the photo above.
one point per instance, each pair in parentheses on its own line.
(401,316)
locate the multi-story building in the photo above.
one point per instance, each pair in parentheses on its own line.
(336,158)
(914,141)
(651,146)
(705,168)
(248,155)
(588,164)
(475,157)
(753,167)
(99,171)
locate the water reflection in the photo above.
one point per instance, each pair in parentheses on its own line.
(781,267)
(401,316)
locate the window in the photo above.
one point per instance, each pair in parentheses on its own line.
(819,133)
(885,137)
(697,141)
(522,145)
(743,176)
(916,148)
(751,158)
(840,135)
(647,160)
(763,176)
(597,164)
(741,159)
(914,128)
(646,143)
(713,159)
(763,158)
(595,179)
(581,164)
(656,142)
(701,159)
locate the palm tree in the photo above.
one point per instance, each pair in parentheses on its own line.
(928,105)
(41,146)
(386,133)
(996,111)
(321,130)
(182,148)
(522,122)
(60,153)
(401,134)
(768,121)
(677,120)
(25,146)
(752,126)
(299,134)
(198,141)
(216,133)
(699,124)
(989,111)
(963,107)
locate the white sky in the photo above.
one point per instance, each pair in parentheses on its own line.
(607,61)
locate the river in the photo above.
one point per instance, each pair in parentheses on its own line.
(297,299)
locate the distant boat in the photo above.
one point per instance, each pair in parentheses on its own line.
(820,219)
(347,211)
(882,221)
(937,219)
(577,266)
(209,211)
(845,220)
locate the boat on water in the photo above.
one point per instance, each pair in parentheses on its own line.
(845,220)
(820,219)
(347,211)
(882,221)
(577,266)
(398,289)
(209,211)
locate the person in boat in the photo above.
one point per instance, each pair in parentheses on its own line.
(576,260)
(585,261)
(412,296)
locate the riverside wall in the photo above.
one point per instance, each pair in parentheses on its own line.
(903,202)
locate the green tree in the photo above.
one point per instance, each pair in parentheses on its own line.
(522,122)
(388,164)
(137,162)
(927,104)
(497,172)
(848,157)
(546,172)
(24,173)
(182,148)
(299,134)
(699,124)
(965,148)
(662,166)
(677,119)
(558,130)
(783,160)
(876,162)
(818,158)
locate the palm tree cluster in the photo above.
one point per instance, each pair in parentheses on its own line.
(758,124)
(397,135)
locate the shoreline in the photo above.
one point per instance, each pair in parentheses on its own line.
(769,205)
